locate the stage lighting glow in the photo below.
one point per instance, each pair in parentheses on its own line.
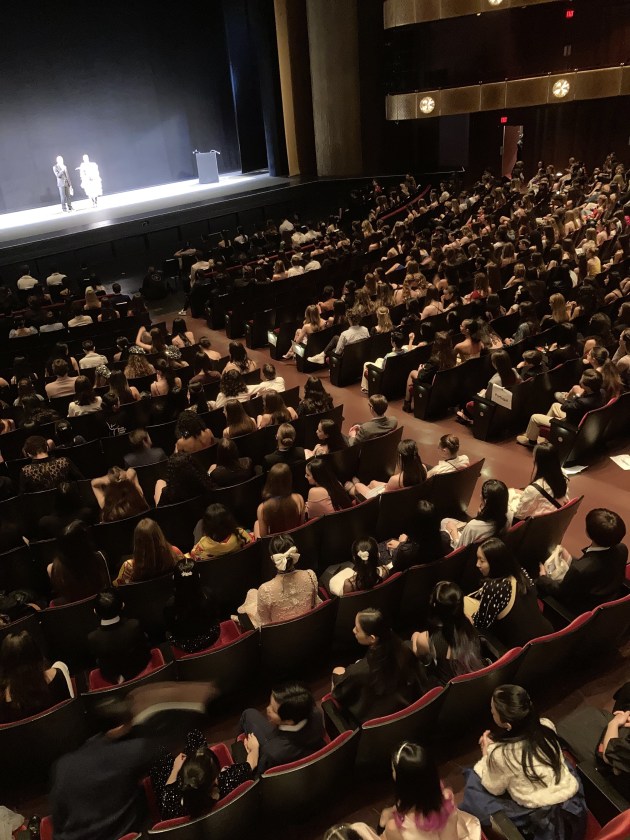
(561,88)
(427,104)
(495,2)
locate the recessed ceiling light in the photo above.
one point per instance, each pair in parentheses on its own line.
(495,2)
(427,104)
(561,88)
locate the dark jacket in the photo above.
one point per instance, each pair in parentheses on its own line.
(286,456)
(120,650)
(576,407)
(144,457)
(592,579)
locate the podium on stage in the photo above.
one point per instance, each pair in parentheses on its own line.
(207,167)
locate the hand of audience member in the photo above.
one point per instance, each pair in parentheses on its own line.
(403,538)
(392,544)
(354,429)
(541,570)
(484,741)
(251,743)
(386,814)
(619,719)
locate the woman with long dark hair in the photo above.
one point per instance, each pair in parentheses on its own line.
(181,336)
(185,479)
(119,386)
(239,360)
(316,399)
(78,570)
(119,494)
(451,645)
(523,772)
(232,387)
(275,410)
(424,543)
(86,401)
(492,519)
(409,472)
(548,487)
(330,437)
(230,468)
(443,357)
(291,593)
(326,493)
(363,572)
(204,370)
(190,615)
(423,808)
(218,533)
(27,685)
(506,600)
(385,680)
(238,420)
(165,381)
(281,509)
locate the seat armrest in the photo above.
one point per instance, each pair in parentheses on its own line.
(605,801)
(492,645)
(421,394)
(374,378)
(556,612)
(245,621)
(335,719)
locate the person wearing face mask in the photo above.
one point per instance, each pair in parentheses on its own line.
(291,728)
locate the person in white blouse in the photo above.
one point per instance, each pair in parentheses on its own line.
(548,489)
(522,772)
(450,459)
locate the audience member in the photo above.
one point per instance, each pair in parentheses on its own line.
(185,479)
(78,570)
(287,452)
(190,615)
(191,434)
(44,472)
(238,421)
(450,459)
(409,472)
(217,533)
(363,572)
(548,489)
(119,494)
(425,542)
(326,493)
(492,519)
(379,425)
(281,508)
(143,452)
(86,401)
(152,557)
(119,646)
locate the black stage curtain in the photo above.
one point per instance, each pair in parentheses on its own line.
(136,85)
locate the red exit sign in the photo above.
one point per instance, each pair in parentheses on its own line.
(569,13)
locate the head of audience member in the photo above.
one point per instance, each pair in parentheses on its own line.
(189,426)
(391,663)
(315,392)
(495,561)
(275,407)
(78,571)
(409,464)
(378,405)
(197,782)
(283,552)
(121,497)
(232,383)
(285,437)
(238,355)
(84,391)
(329,432)
(442,353)
(502,363)
(290,704)
(547,467)
(494,503)
(218,523)
(424,530)
(60,368)
(152,553)
(591,381)
(319,474)
(604,528)
(23,670)
(418,789)
(354,317)
(446,616)
(108,606)
(366,562)
(227,454)
(268,372)
(448,447)
(35,447)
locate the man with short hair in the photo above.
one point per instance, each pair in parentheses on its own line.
(117,296)
(143,452)
(55,279)
(25,283)
(118,645)
(379,425)
(270,381)
(44,472)
(296,266)
(597,576)
(63,385)
(92,359)
(79,317)
(64,185)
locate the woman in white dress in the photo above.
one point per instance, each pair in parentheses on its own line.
(91,183)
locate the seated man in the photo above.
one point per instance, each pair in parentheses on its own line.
(379,425)
(597,576)
(292,727)
(270,381)
(571,409)
(398,347)
(143,452)
(92,359)
(354,333)
(119,645)
(63,385)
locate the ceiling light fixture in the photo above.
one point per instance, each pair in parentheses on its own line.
(427,104)
(495,2)
(561,88)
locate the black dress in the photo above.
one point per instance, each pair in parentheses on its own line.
(226,477)
(522,623)
(57,692)
(169,796)
(195,629)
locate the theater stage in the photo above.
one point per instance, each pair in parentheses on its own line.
(51,223)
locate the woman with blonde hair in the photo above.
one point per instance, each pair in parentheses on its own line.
(384,294)
(363,302)
(313,322)
(383,321)
(279,271)
(370,283)
(404,293)
(91,300)
(153,555)
(558,314)
(138,365)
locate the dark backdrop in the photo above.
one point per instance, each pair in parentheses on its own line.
(136,85)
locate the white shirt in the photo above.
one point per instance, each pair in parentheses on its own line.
(57,325)
(450,465)
(286,226)
(26,282)
(80,321)
(505,778)
(295,270)
(529,502)
(276,384)
(313,265)
(76,410)
(351,336)
(92,360)
(55,279)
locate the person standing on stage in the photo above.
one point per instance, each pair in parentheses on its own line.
(63,184)
(91,183)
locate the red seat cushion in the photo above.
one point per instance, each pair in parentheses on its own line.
(97,681)
(229,632)
(292,765)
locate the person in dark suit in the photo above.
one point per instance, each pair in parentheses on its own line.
(144,453)
(379,425)
(287,452)
(117,296)
(292,728)
(597,576)
(119,645)
(64,185)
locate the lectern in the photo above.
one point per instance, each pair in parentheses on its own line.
(207,167)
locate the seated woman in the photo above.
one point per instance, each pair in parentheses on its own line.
(27,685)
(506,604)
(432,304)
(206,346)
(316,399)
(398,347)
(230,468)
(290,594)
(181,336)
(119,385)
(78,570)
(191,784)
(153,555)
(383,322)
(217,533)
(86,400)
(185,479)
(424,809)
(450,459)
(548,488)
(492,519)
(239,360)
(523,773)
(326,493)
(275,411)
(191,434)
(166,380)
(529,324)
(232,388)
(313,322)
(506,376)
(425,543)
(363,572)
(451,645)
(190,614)
(471,345)
(287,452)
(119,494)
(204,371)
(238,420)
(410,471)
(385,680)
(137,364)
(443,357)
(281,508)
(330,437)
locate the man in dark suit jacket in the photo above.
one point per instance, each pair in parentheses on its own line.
(292,728)
(120,647)
(144,453)
(379,425)
(287,452)
(597,576)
